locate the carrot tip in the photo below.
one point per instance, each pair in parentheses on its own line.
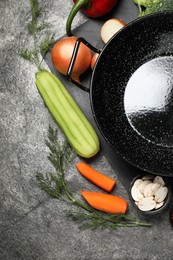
(102,181)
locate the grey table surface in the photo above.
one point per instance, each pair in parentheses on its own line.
(33,225)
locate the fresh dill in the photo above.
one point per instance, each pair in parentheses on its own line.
(40,48)
(56,186)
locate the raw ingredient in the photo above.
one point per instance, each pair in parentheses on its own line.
(77,129)
(55,185)
(153,6)
(91,8)
(111,27)
(34,27)
(61,55)
(149,192)
(104,182)
(105,202)
(93,61)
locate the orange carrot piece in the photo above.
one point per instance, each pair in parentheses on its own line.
(105,202)
(104,182)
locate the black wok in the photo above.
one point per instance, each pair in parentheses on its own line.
(131,93)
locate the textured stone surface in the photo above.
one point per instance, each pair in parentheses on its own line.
(32,225)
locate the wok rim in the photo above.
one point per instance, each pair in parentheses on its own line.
(126,27)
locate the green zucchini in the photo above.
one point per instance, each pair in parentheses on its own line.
(75,126)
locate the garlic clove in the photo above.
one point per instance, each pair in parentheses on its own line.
(159,179)
(149,190)
(136,194)
(155,187)
(137,182)
(143,185)
(147,204)
(161,194)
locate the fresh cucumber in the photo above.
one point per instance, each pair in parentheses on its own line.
(77,129)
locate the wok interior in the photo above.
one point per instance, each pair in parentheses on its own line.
(148,101)
(125,101)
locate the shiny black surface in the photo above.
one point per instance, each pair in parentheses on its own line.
(131,93)
(148,101)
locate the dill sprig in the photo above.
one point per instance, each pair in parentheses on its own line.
(60,156)
(96,219)
(40,48)
(56,186)
(46,44)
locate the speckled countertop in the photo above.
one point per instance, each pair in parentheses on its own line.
(33,225)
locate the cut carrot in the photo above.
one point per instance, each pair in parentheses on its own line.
(105,202)
(104,182)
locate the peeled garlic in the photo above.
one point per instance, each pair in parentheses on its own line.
(161,194)
(149,192)
(159,180)
(136,194)
(143,185)
(137,182)
(151,189)
(147,204)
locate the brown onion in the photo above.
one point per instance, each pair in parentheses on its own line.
(61,56)
(93,61)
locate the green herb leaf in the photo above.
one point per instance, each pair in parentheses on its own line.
(35,7)
(26,54)
(51,184)
(46,44)
(34,27)
(96,219)
(42,26)
(55,185)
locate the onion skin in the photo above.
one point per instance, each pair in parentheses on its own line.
(110,28)
(61,56)
(93,61)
